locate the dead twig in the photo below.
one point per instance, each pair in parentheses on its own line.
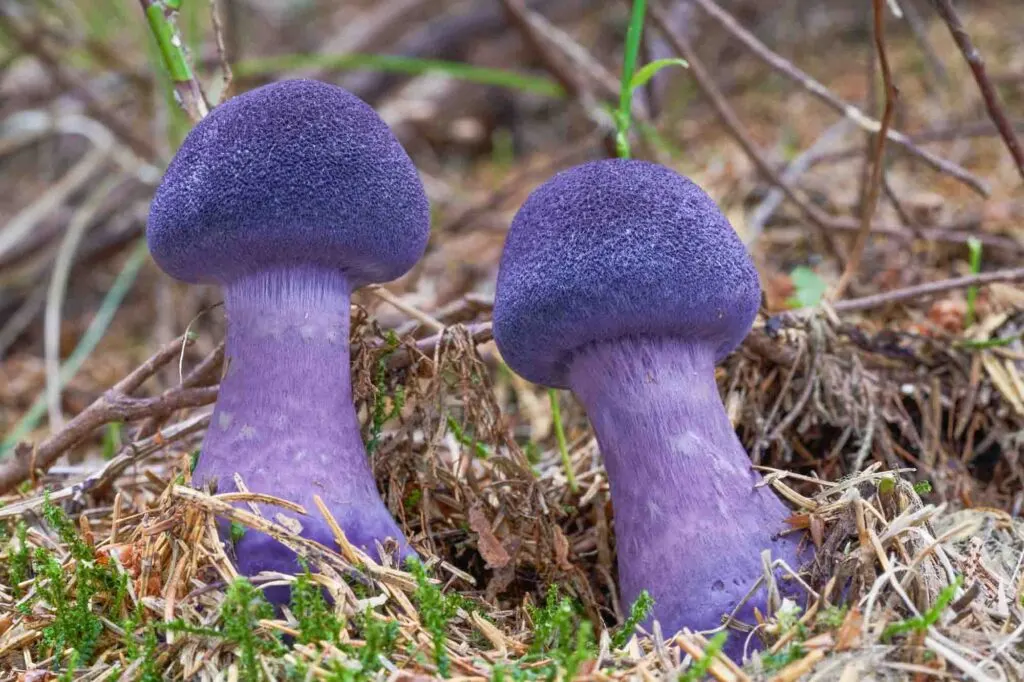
(735,126)
(95,107)
(988,91)
(832,100)
(923,290)
(877,160)
(520,15)
(116,404)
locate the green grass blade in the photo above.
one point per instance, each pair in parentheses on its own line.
(556,418)
(649,71)
(974,245)
(413,66)
(623,116)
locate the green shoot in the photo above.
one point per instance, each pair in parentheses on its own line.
(650,70)
(809,286)
(698,670)
(436,609)
(379,639)
(244,607)
(161,16)
(479,449)
(237,532)
(20,562)
(623,116)
(563,449)
(990,343)
(316,621)
(111,440)
(168,40)
(76,626)
(923,487)
(789,654)
(832,617)
(382,413)
(928,618)
(638,613)
(974,246)
(557,637)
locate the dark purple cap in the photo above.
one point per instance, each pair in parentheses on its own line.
(618,248)
(292,173)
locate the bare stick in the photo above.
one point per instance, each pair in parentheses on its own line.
(878,158)
(222,50)
(199,376)
(988,92)
(735,126)
(115,404)
(828,97)
(519,14)
(95,106)
(923,290)
(480,332)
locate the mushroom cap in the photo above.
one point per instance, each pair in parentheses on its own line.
(619,248)
(294,173)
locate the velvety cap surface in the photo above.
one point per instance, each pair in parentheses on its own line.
(292,173)
(618,248)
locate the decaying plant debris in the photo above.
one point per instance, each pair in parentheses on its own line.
(894,434)
(499,529)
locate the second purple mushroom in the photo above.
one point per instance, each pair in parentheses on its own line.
(622,281)
(290,197)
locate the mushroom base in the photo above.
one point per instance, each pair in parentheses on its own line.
(689,523)
(285,421)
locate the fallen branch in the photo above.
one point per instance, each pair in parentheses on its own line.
(832,100)
(114,405)
(735,126)
(877,160)
(923,290)
(988,91)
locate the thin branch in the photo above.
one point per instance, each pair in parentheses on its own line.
(200,375)
(828,97)
(94,106)
(924,290)
(480,332)
(988,91)
(542,44)
(115,404)
(725,111)
(222,50)
(878,158)
(130,455)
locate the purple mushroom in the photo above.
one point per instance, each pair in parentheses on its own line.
(289,197)
(622,281)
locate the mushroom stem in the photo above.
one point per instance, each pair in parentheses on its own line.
(689,523)
(285,405)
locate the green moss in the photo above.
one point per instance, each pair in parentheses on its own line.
(436,610)
(638,613)
(317,623)
(382,412)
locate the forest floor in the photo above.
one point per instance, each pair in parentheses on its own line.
(891,419)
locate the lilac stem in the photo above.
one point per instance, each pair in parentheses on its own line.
(284,417)
(689,524)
